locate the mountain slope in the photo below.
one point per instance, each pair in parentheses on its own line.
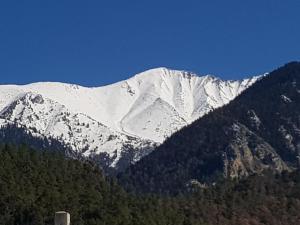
(44,117)
(123,121)
(259,130)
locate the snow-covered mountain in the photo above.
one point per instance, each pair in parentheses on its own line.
(121,122)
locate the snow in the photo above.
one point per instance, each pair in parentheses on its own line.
(146,108)
(255,121)
(286,99)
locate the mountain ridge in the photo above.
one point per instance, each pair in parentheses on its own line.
(257,131)
(148,107)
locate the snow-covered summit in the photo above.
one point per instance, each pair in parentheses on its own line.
(149,106)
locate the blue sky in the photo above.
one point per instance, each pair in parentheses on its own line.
(99,42)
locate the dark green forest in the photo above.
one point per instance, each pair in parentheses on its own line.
(34,184)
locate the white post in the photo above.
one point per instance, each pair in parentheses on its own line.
(62,218)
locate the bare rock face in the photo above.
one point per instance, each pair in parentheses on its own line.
(247,154)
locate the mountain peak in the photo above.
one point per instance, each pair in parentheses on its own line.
(256,132)
(165,72)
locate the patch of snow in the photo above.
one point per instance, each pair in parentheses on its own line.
(285,99)
(255,121)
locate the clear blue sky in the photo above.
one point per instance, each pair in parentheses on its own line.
(100,42)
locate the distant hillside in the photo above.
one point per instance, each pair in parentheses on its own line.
(258,130)
(16,134)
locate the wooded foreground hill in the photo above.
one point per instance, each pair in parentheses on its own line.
(35,184)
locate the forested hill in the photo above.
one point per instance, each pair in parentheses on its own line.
(35,184)
(16,134)
(258,130)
